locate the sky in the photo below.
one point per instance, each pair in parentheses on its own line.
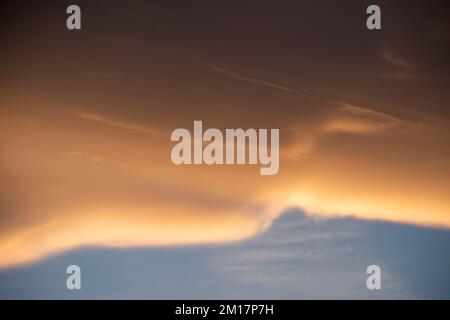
(86,175)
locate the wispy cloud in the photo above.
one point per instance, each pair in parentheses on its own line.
(341,105)
(403,69)
(96,158)
(390,57)
(118,123)
(367,112)
(347,119)
(267,83)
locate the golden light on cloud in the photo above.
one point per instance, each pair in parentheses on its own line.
(123,227)
(85,144)
(71,199)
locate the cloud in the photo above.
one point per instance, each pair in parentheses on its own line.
(97,159)
(298,257)
(393,59)
(298,251)
(122,227)
(354,163)
(403,69)
(117,123)
(154,203)
(347,119)
(261,82)
(349,148)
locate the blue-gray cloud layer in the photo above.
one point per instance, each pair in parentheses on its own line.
(298,257)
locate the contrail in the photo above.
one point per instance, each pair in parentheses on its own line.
(264,82)
(340,104)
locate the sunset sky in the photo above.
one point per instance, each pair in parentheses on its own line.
(86,118)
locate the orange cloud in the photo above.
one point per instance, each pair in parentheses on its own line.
(105,178)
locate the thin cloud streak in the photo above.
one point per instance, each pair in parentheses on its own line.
(263,82)
(405,70)
(343,106)
(390,57)
(117,123)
